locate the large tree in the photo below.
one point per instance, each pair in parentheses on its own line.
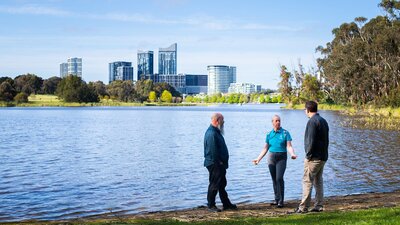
(50,85)
(28,83)
(362,63)
(74,89)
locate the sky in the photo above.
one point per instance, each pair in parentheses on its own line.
(256,36)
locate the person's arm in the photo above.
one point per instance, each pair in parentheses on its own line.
(291,150)
(262,154)
(310,142)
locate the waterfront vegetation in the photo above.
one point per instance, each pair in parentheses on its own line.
(382,216)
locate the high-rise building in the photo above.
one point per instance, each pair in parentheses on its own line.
(120,70)
(167,60)
(219,78)
(145,63)
(75,66)
(63,70)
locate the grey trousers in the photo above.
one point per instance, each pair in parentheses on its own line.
(277,166)
(313,170)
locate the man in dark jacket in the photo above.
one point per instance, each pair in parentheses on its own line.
(216,158)
(316,141)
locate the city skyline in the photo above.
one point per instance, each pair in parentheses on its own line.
(256,36)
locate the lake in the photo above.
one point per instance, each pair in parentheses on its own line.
(65,163)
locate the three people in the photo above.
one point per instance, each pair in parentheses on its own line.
(216,158)
(277,143)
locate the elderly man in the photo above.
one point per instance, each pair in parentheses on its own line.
(216,158)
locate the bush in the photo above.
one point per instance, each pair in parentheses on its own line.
(21,97)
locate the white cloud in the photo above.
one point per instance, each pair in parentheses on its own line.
(35,10)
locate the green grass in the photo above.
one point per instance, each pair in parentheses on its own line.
(380,216)
(53,101)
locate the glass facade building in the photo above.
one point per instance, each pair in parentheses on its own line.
(196,84)
(243,88)
(167,60)
(63,70)
(145,63)
(219,78)
(120,70)
(75,66)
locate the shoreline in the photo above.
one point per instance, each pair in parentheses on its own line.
(352,202)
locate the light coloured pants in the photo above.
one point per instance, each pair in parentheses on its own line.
(313,170)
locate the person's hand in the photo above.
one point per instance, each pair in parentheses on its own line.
(256,161)
(294,156)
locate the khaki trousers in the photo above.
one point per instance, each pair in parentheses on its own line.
(312,177)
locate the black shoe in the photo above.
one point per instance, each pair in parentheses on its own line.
(273,203)
(213,209)
(298,210)
(230,207)
(317,209)
(279,206)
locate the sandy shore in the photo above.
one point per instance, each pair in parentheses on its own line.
(335,203)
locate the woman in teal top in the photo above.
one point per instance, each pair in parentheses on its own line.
(278,142)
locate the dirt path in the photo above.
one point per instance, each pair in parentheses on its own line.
(350,202)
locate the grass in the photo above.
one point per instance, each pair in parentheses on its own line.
(380,216)
(53,101)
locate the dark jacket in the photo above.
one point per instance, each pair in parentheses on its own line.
(215,150)
(316,138)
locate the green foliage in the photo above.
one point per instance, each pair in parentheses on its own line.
(361,65)
(50,85)
(99,88)
(285,87)
(21,98)
(123,91)
(74,89)
(310,89)
(166,96)
(7,91)
(28,83)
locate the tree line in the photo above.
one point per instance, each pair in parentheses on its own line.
(74,89)
(360,66)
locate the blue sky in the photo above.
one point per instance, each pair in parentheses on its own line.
(256,36)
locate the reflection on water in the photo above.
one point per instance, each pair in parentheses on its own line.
(63,163)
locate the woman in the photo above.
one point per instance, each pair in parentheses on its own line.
(278,142)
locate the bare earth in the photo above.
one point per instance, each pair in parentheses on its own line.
(336,203)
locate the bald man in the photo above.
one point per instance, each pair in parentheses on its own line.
(216,158)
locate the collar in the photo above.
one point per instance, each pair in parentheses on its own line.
(278,131)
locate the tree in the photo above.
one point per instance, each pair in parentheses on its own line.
(285,87)
(143,89)
(28,83)
(21,97)
(310,88)
(74,89)
(361,65)
(166,96)
(123,91)
(99,88)
(152,96)
(7,92)
(50,85)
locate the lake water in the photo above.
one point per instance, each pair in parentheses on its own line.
(65,163)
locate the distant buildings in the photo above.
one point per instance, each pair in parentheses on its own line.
(72,67)
(145,63)
(167,60)
(243,88)
(196,84)
(219,78)
(120,70)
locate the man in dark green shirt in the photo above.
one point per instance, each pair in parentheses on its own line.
(216,158)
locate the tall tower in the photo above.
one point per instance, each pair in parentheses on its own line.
(75,66)
(167,60)
(219,78)
(145,63)
(120,71)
